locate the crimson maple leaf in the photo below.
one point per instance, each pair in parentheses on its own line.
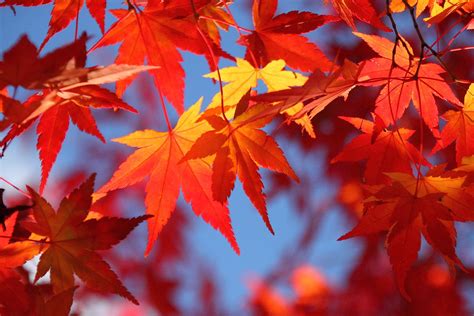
(278,37)
(360,9)
(54,123)
(17,297)
(22,66)
(69,91)
(60,73)
(384,150)
(68,240)
(405,79)
(64,12)
(317,92)
(155,34)
(412,206)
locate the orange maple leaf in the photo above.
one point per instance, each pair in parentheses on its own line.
(158,157)
(240,147)
(459,128)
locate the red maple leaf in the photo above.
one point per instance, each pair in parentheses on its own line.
(360,9)
(278,37)
(405,79)
(384,150)
(64,12)
(317,92)
(69,240)
(412,206)
(154,34)
(69,91)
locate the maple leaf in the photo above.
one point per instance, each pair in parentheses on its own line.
(54,123)
(438,13)
(266,300)
(459,128)
(360,9)
(59,73)
(317,92)
(240,147)
(407,80)
(14,254)
(211,14)
(456,196)
(413,206)
(18,297)
(244,77)
(7,212)
(13,295)
(399,5)
(21,65)
(58,305)
(467,164)
(278,37)
(14,298)
(211,18)
(384,150)
(69,91)
(64,12)
(154,34)
(68,241)
(158,156)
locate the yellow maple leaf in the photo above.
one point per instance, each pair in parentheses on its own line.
(243,77)
(438,13)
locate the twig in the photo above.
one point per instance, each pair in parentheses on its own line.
(15,187)
(213,57)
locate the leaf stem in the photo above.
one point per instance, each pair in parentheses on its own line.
(241,36)
(213,57)
(237,27)
(15,187)
(162,100)
(418,92)
(77,20)
(165,111)
(393,65)
(424,44)
(42,241)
